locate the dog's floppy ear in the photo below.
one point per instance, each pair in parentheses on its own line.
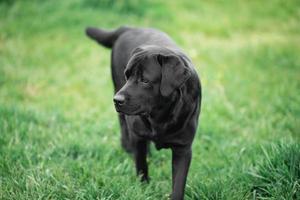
(174,73)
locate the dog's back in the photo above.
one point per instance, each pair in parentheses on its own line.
(123,41)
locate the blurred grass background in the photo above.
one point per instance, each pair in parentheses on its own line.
(59,134)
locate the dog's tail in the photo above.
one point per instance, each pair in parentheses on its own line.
(105,37)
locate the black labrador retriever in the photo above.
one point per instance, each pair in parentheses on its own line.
(157,96)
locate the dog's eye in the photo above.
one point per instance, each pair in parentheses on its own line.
(143,80)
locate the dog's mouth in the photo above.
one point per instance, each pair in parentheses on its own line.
(130,109)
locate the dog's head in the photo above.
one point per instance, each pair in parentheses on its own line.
(152,73)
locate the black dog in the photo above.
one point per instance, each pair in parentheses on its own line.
(158,97)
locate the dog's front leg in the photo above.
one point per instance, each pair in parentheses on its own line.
(140,157)
(181,159)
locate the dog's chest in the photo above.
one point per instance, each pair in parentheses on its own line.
(140,127)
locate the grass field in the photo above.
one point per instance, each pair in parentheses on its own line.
(59,134)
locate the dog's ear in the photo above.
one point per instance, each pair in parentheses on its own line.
(174,73)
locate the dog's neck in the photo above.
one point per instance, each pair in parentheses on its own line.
(174,115)
(166,104)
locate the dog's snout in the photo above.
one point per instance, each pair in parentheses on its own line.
(119,99)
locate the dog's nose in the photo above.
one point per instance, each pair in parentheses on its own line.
(119,99)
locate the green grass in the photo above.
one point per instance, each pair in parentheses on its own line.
(59,134)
